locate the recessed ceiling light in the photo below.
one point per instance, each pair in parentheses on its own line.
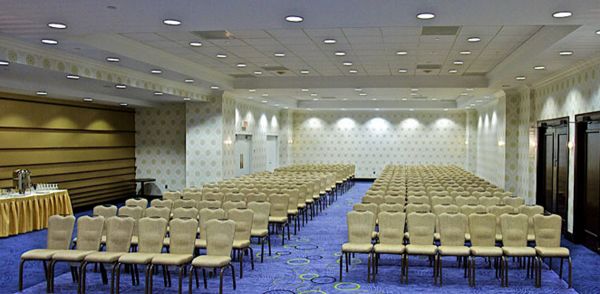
(221,55)
(565,53)
(189,81)
(353,71)
(313,94)
(87,99)
(340,53)
(469,89)
(276,104)
(124,104)
(215,87)
(187,98)
(472,104)
(358,89)
(4,63)
(121,86)
(155,71)
(473,39)
(345,99)
(539,67)
(304,72)
(157,93)
(598,32)
(329,41)
(304,90)
(347,63)
(464,94)
(401,52)
(72,77)
(264,101)
(251,90)
(452,71)
(414,90)
(374,99)
(478,101)
(404,99)
(172,22)
(315,99)
(362,94)
(113,59)
(279,54)
(258,72)
(41,93)
(265,95)
(412,109)
(195,44)
(445,109)
(57,25)
(458,62)
(294,18)
(285,107)
(465,52)
(434,99)
(49,42)
(403,70)
(241,65)
(520,78)
(425,15)
(562,14)
(413,94)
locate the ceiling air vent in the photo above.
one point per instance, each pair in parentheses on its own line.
(241,76)
(429,66)
(213,35)
(280,70)
(439,31)
(328,98)
(474,73)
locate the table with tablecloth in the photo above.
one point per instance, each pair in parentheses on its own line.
(26,213)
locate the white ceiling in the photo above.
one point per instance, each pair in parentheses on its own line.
(515,36)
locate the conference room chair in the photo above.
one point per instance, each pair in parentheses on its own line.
(168,203)
(118,241)
(417,207)
(171,195)
(394,200)
(372,199)
(390,207)
(183,203)
(438,210)
(212,195)
(181,250)
(452,229)
(206,214)
(531,211)
(192,195)
(292,208)
(482,229)
(514,242)
(260,224)
(219,236)
(159,211)
(513,201)
(234,196)
(503,194)
(140,202)
(150,243)
(253,197)
(417,199)
(185,212)
(421,226)
(391,237)
(489,201)
(547,244)
(278,216)
(361,224)
(208,204)
(60,230)
(229,205)
(498,210)
(89,236)
(134,212)
(243,219)
(462,200)
(106,211)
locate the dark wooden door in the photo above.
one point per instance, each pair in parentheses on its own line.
(588,184)
(553,169)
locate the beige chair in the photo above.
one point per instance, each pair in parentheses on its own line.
(531,211)
(391,207)
(417,207)
(171,195)
(181,249)
(488,201)
(207,214)
(452,229)
(208,204)
(278,216)
(361,225)
(234,196)
(106,211)
(136,213)
(260,224)
(394,200)
(417,199)
(438,210)
(482,228)
(192,195)
(60,230)
(159,211)
(89,237)
(183,203)
(514,241)
(462,201)
(185,212)
(141,202)
(547,244)
(391,237)
(243,219)
(499,210)
(254,197)
(373,199)
(151,237)
(163,203)
(229,205)
(118,240)
(212,196)
(219,236)
(421,226)
(513,201)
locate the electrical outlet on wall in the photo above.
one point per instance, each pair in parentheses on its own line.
(166,187)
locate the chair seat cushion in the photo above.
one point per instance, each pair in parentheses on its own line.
(237,244)
(486,251)
(104,257)
(309,201)
(292,211)
(421,249)
(356,247)
(389,248)
(172,259)
(137,258)
(454,250)
(259,232)
(39,254)
(71,255)
(498,237)
(278,219)
(200,243)
(530,237)
(518,251)
(302,205)
(211,261)
(552,251)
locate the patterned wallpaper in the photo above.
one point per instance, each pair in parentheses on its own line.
(471,140)
(373,139)
(491,141)
(160,145)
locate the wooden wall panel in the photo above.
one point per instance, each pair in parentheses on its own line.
(86,148)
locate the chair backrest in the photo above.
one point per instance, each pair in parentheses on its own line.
(185,212)
(391,227)
(182,235)
(472,208)
(219,237)
(279,205)
(372,199)
(229,205)
(162,202)
(417,199)
(488,201)
(482,227)
(360,226)
(171,195)
(183,203)
(421,226)
(60,231)
(207,214)
(394,200)
(132,211)
(212,195)
(445,208)
(159,211)
(417,207)
(118,233)
(106,211)
(151,234)
(391,207)
(372,207)
(514,229)
(234,196)
(452,229)
(530,211)
(547,230)
(192,195)
(243,219)
(89,232)
(261,210)
(253,197)
(208,204)
(513,201)
(499,210)
(461,200)
(141,202)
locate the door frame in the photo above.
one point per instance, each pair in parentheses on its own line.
(248,137)
(276,149)
(579,182)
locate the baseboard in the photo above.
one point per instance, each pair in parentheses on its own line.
(364,179)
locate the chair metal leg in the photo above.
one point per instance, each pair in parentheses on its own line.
(561,268)
(180,282)
(232,275)
(118,275)
(341,260)
(405,268)
(21,275)
(221,281)
(192,273)
(150,278)
(241,257)
(251,257)
(570,272)
(82,270)
(369,260)
(204,277)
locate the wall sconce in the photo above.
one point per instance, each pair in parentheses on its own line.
(501,143)
(466,142)
(290,141)
(228,141)
(570,145)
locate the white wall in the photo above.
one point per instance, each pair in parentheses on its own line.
(491,141)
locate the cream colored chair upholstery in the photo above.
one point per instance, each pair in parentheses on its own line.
(212,196)
(171,195)
(159,211)
(488,201)
(547,244)
(417,199)
(421,226)
(219,237)
(260,224)
(499,210)
(89,237)
(462,201)
(106,211)
(162,202)
(515,202)
(391,236)
(514,241)
(360,228)
(243,219)
(118,241)
(278,215)
(208,204)
(391,207)
(141,202)
(207,214)
(234,196)
(417,207)
(192,195)
(452,228)
(438,210)
(185,212)
(531,211)
(183,203)
(254,197)
(482,228)
(394,200)
(136,213)
(60,230)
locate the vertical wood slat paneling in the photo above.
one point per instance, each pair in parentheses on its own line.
(86,148)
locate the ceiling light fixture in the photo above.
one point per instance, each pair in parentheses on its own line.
(221,55)
(189,81)
(315,99)
(304,71)
(598,32)
(362,94)
(41,93)
(539,67)
(4,63)
(425,15)
(157,93)
(404,99)
(565,53)
(403,70)
(264,101)
(329,41)
(258,72)
(57,25)
(465,52)
(215,87)
(72,77)
(294,18)
(87,99)
(339,53)
(251,90)
(195,44)
(304,90)
(473,39)
(401,52)
(313,94)
(520,78)
(279,54)
(469,89)
(121,86)
(353,71)
(562,14)
(155,71)
(412,109)
(445,109)
(452,71)
(187,98)
(113,59)
(458,62)
(172,22)
(241,65)
(414,90)
(347,63)
(358,89)
(49,42)
(124,104)
(265,95)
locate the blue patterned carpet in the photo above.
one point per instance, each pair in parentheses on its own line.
(308,264)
